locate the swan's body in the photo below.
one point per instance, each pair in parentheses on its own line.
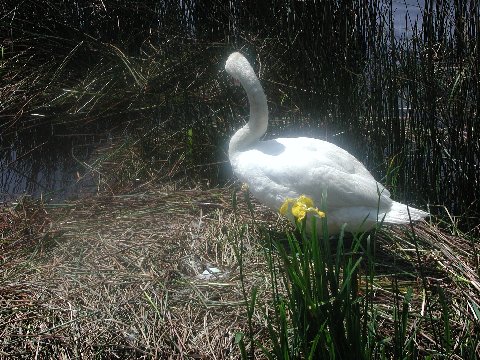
(289,167)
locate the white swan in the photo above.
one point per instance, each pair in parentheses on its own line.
(284,168)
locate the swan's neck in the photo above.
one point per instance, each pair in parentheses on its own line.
(251,133)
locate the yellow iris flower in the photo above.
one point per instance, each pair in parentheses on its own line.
(301,207)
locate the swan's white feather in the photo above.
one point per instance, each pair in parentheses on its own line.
(289,167)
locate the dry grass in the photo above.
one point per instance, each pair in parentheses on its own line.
(120,276)
(425,257)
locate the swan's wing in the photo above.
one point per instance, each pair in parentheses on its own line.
(283,168)
(345,189)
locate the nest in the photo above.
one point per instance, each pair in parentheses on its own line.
(155,275)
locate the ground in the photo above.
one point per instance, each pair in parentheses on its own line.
(124,276)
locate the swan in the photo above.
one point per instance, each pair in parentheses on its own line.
(282,169)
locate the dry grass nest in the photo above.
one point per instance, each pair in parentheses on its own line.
(135,276)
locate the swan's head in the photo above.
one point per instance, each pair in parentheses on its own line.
(240,69)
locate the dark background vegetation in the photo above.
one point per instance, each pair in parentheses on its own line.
(151,73)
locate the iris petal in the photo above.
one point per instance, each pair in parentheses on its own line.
(301,207)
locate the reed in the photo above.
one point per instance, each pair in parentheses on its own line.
(337,71)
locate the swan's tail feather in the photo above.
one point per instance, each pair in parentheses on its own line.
(399,214)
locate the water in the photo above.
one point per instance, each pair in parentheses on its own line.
(406,13)
(48,162)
